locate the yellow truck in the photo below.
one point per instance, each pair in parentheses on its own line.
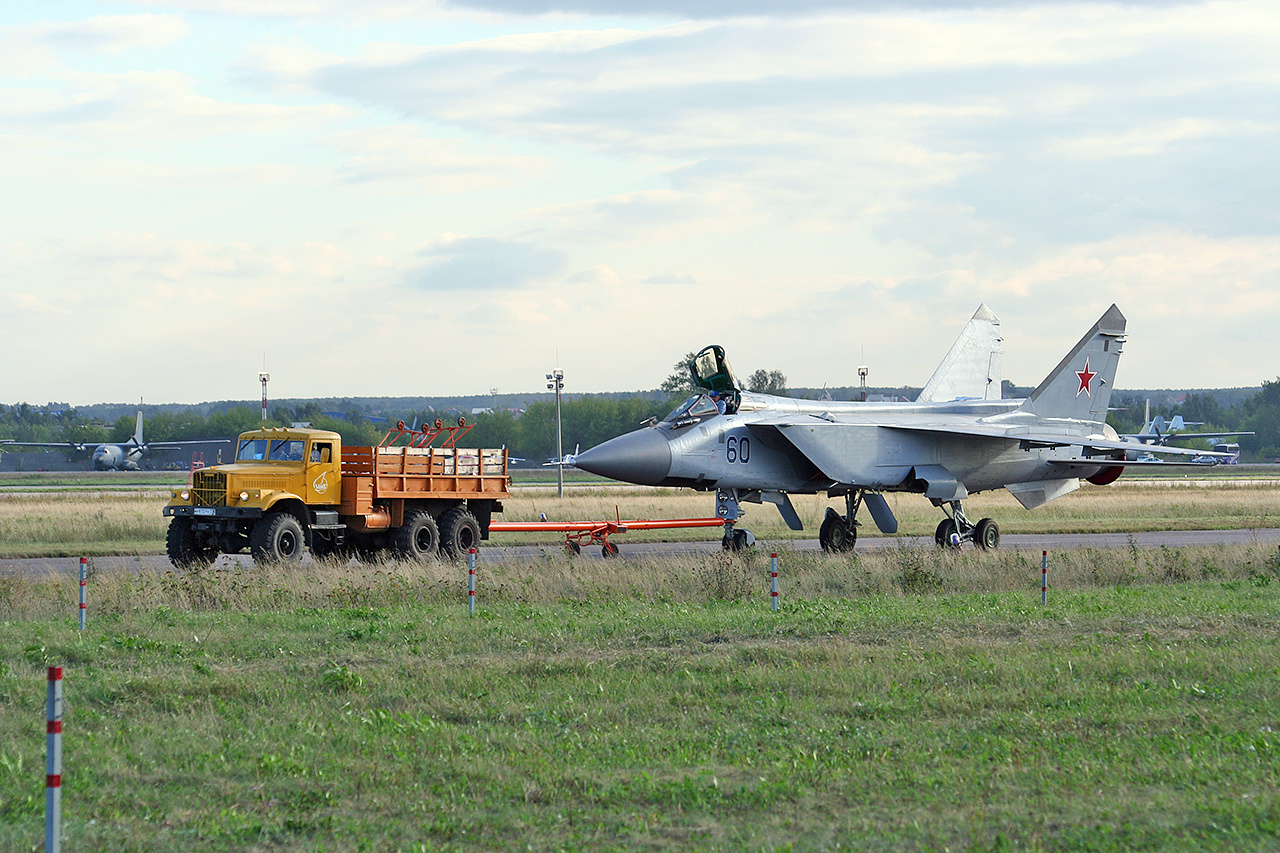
(294,488)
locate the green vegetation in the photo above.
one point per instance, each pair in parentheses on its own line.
(587,419)
(910,700)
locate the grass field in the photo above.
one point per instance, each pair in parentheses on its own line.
(903,700)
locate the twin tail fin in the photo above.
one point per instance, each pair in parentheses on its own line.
(1080,387)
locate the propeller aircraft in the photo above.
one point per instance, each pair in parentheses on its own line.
(122,456)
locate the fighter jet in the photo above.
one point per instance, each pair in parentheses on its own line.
(125,456)
(958,438)
(1156,431)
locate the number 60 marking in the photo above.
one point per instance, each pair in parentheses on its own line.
(738,449)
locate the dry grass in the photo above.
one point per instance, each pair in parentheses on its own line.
(556,578)
(130,523)
(1135,507)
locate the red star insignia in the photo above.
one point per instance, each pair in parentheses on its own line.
(1086,376)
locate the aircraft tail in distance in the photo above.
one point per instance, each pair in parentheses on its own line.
(1080,386)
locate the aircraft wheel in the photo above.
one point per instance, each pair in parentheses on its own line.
(418,538)
(987,535)
(459,532)
(186,548)
(836,535)
(740,541)
(277,538)
(608,549)
(943,536)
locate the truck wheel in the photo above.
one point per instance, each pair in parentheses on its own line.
(187,549)
(418,538)
(277,538)
(459,532)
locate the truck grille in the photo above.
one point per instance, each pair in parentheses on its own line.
(209,488)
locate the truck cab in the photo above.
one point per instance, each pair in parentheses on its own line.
(305,462)
(292,475)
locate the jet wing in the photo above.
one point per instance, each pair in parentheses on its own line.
(1174,436)
(1091,445)
(65,445)
(162,445)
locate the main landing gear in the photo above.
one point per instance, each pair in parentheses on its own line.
(840,532)
(956,528)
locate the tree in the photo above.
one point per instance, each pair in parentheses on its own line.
(768,382)
(680,382)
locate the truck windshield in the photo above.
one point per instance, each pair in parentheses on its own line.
(287,449)
(252,450)
(280,449)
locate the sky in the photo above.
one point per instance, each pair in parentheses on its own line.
(401,198)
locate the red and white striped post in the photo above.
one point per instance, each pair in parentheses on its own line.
(84,583)
(53,764)
(773,578)
(471,582)
(1044,577)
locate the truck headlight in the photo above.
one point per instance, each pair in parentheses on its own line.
(244,496)
(185,495)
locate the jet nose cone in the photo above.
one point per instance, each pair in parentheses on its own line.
(642,457)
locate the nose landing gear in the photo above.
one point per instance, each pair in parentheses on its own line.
(956,528)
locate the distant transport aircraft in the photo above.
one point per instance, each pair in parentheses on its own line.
(956,439)
(125,456)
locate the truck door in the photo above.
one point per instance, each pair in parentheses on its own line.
(323,477)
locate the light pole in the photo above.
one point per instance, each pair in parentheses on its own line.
(556,383)
(264,377)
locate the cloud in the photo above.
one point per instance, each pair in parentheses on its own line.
(30,49)
(723,9)
(400,154)
(669,277)
(463,264)
(147,105)
(1023,117)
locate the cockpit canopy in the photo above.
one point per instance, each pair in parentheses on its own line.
(696,407)
(710,370)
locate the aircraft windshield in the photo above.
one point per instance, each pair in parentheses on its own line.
(694,407)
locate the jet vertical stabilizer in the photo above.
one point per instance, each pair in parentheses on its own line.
(1080,386)
(971,368)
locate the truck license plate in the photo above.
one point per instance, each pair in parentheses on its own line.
(204,510)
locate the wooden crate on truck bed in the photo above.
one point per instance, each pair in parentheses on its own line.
(375,473)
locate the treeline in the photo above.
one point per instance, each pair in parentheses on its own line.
(587,421)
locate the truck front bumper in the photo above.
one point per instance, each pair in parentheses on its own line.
(211,513)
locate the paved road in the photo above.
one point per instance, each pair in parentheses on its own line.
(492,554)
